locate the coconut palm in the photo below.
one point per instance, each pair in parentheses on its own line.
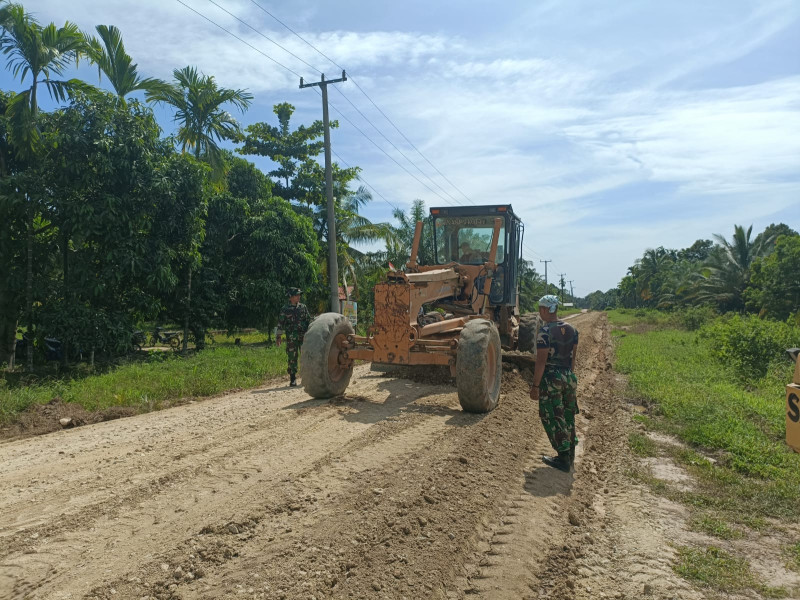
(727,272)
(36,53)
(108,53)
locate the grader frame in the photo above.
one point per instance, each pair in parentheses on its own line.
(472,311)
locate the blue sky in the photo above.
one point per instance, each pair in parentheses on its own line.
(610,127)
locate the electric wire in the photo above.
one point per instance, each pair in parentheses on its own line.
(290,70)
(367,96)
(215,24)
(269,39)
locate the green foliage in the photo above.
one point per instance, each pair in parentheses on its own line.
(749,344)
(198,102)
(775,280)
(108,53)
(693,318)
(715,568)
(712,525)
(642,445)
(699,400)
(299,177)
(165,378)
(127,218)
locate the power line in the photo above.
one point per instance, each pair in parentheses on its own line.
(394,146)
(238,38)
(367,96)
(249,45)
(269,39)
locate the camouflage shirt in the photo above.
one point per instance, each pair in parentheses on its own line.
(561,338)
(294,320)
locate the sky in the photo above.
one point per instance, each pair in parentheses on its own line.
(610,127)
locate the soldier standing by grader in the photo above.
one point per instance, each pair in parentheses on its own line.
(293,322)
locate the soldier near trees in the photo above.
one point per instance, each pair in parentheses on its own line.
(555,384)
(293,322)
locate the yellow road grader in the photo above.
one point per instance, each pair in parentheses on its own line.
(462,311)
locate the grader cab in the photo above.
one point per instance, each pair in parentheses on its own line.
(461,311)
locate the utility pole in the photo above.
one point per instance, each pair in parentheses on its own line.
(572,295)
(333,265)
(562,286)
(545,274)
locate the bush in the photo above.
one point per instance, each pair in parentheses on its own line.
(693,318)
(749,344)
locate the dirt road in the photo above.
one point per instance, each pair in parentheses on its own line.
(391,492)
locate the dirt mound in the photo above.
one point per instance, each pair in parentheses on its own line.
(39,419)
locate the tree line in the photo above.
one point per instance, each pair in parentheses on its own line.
(757,274)
(107,223)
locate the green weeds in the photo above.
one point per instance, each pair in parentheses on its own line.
(146,385)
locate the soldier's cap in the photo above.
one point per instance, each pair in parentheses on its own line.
(293,291)
(550,301)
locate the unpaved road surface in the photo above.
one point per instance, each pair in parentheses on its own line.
(390,492)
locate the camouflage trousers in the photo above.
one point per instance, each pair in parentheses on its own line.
(558,405)
(293,345)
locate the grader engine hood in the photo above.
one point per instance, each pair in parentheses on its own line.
(397,304)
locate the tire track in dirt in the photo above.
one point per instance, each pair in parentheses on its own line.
(225,477)
(390,492)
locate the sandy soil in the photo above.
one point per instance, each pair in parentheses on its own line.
(390,492)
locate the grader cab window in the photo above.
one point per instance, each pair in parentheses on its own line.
(467,240)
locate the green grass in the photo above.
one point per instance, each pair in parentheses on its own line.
(713,525)
(642,445)
(793,557)
(752,477)
(146,385)
(697,399)
(715,568)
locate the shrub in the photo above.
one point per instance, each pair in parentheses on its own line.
(693,318)
(749,344)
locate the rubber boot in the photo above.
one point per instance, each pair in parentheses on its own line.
(560,462)
(572,457)
(292,381)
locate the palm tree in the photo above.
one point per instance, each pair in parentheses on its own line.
(198,102)
(36,51)
(108,53)
(352,228)
(727,273)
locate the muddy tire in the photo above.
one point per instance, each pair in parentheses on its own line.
(320,371)
(528,329)
(478,366)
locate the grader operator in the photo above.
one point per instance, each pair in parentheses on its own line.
(460,311)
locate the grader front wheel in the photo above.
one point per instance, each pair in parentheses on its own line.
(323,374)
(478,366)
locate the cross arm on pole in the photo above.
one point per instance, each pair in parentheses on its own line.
(323,81)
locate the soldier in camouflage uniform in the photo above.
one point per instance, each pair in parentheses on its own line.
(555,383)
(293,321)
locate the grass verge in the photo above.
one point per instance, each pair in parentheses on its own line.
(145,385)
(733,433)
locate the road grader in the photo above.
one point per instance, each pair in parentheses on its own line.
(461,312)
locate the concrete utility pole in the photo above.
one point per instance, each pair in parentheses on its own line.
(563,283)
(333,265)
(545,274)
(572,295)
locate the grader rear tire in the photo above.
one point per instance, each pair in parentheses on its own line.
(528,330)
(478,366)
(320,371)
